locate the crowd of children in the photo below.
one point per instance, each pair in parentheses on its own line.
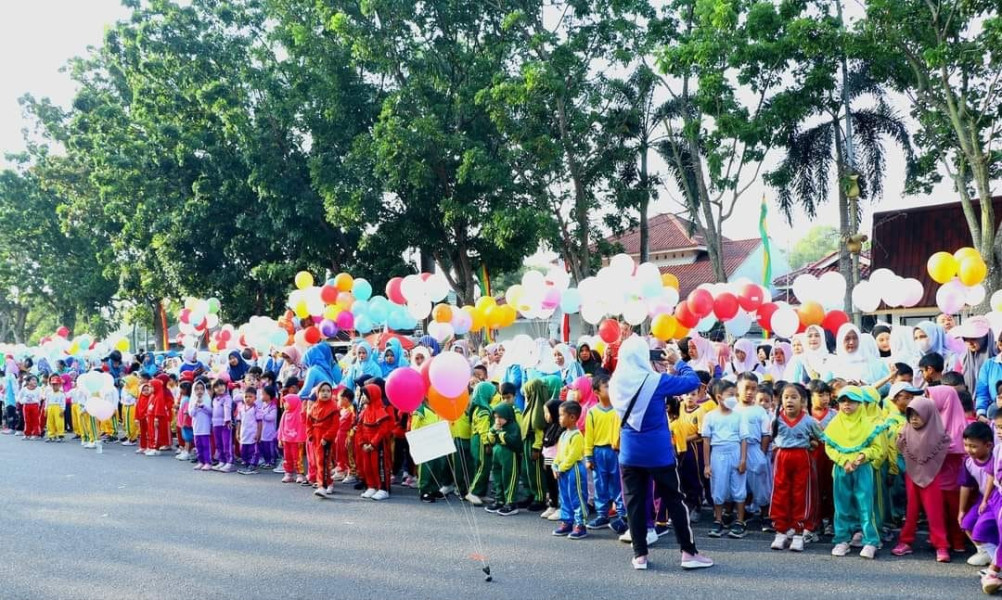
(801,458)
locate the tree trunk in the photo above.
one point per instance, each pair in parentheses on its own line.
(844,228)
(581,207)
(645,200)
(426,262)
(158,326)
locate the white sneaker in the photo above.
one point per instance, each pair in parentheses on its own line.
(138,450)
(694,516)
(99,447)
(797,545)
(840,549)
(445,490)
(868,551)
(183,456)
(779,542)
(90,445)
(639,563)
(349,480)
(474,499)
(626,538)
(152,453)
(652,537)
(857,540)
(128,443)
(381,495)
(369,493)
(546,513)
(330,489)
(981,558)
(555,516)
(324,493)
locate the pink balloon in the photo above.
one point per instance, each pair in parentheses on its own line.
(551,299)
(346,320)
(449,374)
(405,389)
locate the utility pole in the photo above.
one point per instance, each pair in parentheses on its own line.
(850,182)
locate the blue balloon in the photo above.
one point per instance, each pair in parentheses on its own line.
(363,324)
(398,319)
(379,309)
(570,301)
(359,308)
(361,289)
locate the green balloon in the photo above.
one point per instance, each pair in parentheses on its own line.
(213,306)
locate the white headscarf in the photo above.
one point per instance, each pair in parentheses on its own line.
(750,363)
(864,364)
(707,356)
(546,365)
(778,371)
(633,376)
(815,359)
(423,352)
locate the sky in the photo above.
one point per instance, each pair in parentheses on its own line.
(37,37)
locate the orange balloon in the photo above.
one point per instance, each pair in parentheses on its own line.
(485,302)
(680,332)
(442,313)
(449,409)
(811,313)
(508,315)
(669,280)
(343,282)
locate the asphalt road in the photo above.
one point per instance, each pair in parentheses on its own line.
(74,524)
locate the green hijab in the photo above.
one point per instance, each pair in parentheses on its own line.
(537,392)
(481,399)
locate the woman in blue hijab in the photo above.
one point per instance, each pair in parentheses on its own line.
(365,364)
(320,368)
(431,344)
(393,358)
(237,366)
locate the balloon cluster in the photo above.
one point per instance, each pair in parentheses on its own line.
(443,379)
(960,276)
(59,345)
(623,288)
(884,286)
(196,318)
(414,297)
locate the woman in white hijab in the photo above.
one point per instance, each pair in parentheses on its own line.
(570,369)
(857,357)
(812,363)
(744,359)
(639,396)
(779,362)
(702,357)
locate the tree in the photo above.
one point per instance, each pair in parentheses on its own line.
(812,153)
(818,242)
(947,58)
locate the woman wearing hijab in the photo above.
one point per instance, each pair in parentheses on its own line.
(320,367)
(856,359)
(570,369)
(236,367)
(701,356)
(393,358)
(588,359)
(149,366)
(950,410)
(744,359)
(723,352)
(639,396)
(463,347)
(882,335)
(979,348)
(930,337)
(988,378)
(191,363)
(290,364)
(419,355)
(364,366)
(431,344)
(813,362)
(779,362)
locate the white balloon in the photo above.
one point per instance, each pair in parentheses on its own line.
(882,277)
(865,296)
(785,322)
(831,289)
(706,323)
(805,287)
(587,287)
(648,273)
(739,324)
(558,277)
(419,309)
(995,319)
(634,312)
(99,408)
(975,295)
(440,331)
(914,292)
(623,264)
(437,287)
(592,312)
(894,293)
(412,287)
(996,301)
(533,280)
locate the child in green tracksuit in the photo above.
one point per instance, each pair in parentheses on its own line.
(506,458)
(479,413)
(432,474)
(532,425)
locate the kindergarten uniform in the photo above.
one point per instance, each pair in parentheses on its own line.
(430,474)
(222,419)
(757,425)
(55,414)
(200,411)
(689,455)
(250,430)
(724,433)
(128,403)
(506,455)
(572,481)
(267,448)
(31,401)
(982,527)
(601,440)
(795,489)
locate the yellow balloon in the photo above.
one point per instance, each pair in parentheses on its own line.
(508,315)
(942,267)
(599,347)
(213,347)
(965,252)
(477,317)
(301,310)
(304,280)
(663,327)
(514,294)
(190,303)
(122,345)
(972,270)
(669,280)
(332,311)
(485,302)
(74,348)
(680,332)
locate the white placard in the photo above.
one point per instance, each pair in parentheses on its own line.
(431,442)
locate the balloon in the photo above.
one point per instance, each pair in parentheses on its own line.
(405,389)
(393,292)
(949,298)
(190,302)
(485,302)
(965,252)
(213,304)
(331,312)
(750,297)
(725,306)
(570,301)
(700,302)
(670,281)
(63,331)
(99,408)
(685,317)
(834,320)
(344,282)
(765,313)
(345,300)
(449,374)
(303,280)
(975,295)
(462,322)
(345,320)
(942,267)
(831,289)
(312,335)
(533,279)
(810,313)
(592,313)
(972,271)
(328,294)
(440,331)
(623,265)
(866,296)
(706,323)
(360,288)
(501,317)
(437,287)
(663,327)
(609,331)
(785,322)
(551,299)
(122,345)
(477,316)
(363,324)
(442,313)
(514,294)
(446,408)
(805,287)
(635,312)
(328,328)
(996,301)
(412,288)
(397,318)
(882,278)
(739,324)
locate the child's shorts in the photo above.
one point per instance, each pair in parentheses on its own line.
(726,484)
(759,475)
(983,527)
(188,434)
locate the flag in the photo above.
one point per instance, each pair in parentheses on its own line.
(485,290)
(763,231)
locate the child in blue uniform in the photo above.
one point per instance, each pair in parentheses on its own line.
(569,469)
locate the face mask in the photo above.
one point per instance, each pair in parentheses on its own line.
(730,403)
(924,345)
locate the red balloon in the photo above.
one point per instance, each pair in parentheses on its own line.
(725,306)
(608,330)
(700,302)
(765,315)
(312,335)
(328,294)
(685,316)
(426,372)
(184,316)
(751,297)
(393,291)
(833,320)
(242,341)
(63,331)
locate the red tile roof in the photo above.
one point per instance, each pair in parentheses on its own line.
(667,232)
(903,240)
(692,275)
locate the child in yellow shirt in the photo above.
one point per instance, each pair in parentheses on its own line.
(569,469)
(602,457)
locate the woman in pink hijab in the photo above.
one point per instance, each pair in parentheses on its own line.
(952,413)
(586,398)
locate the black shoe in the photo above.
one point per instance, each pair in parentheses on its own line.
(430,499)
(507,510)
(717,530)
(437,495)
(493,508)
(728,518)
(523,503)
(536,506)
(767,526)
(738,530)
(359,486)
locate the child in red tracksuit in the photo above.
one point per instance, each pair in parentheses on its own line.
(346,402)
(322,421)
(793,508)
(373,436)
(142,416)
(158,415)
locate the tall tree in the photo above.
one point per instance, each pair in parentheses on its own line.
(947,58)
